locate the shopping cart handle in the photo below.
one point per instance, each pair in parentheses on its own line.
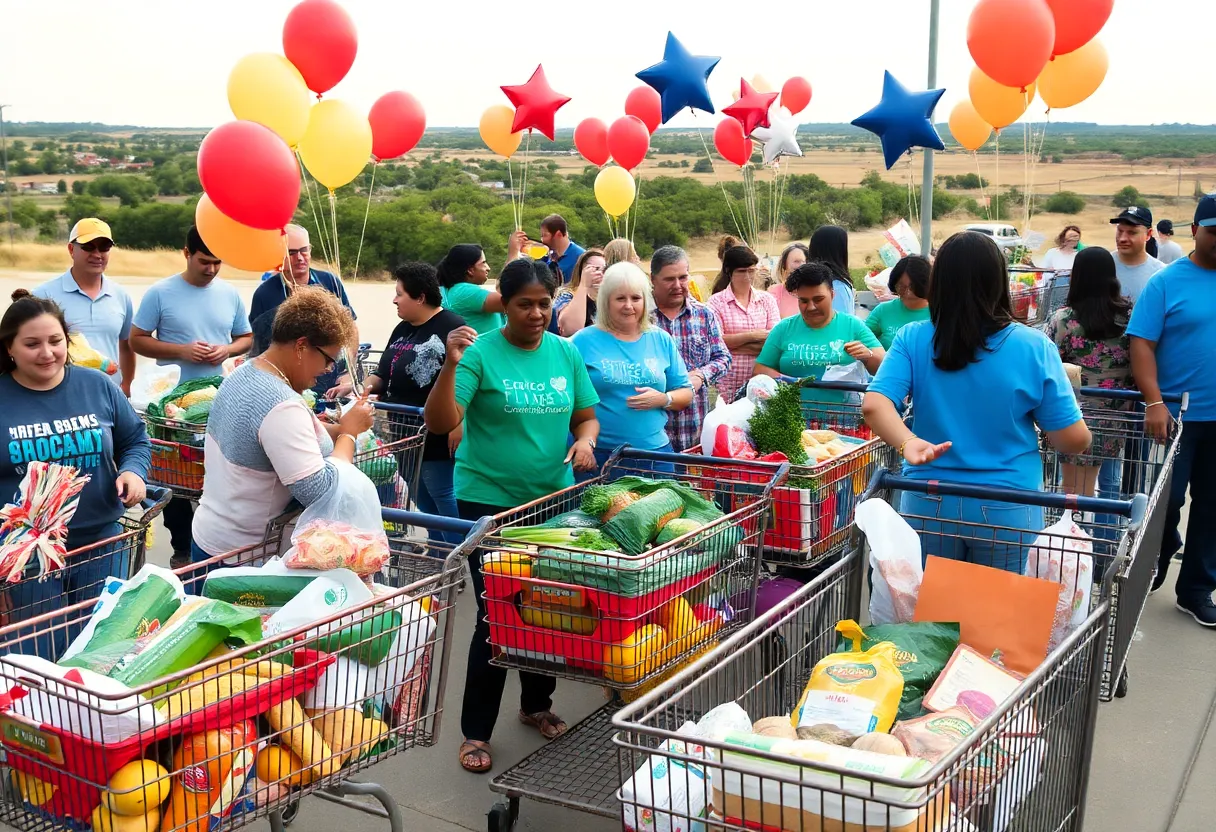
(154,502)
(1128,395)
(427,521)
(389,407)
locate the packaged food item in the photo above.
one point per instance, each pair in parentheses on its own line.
(289,721)
(266,588)
(879,743)
(209,772)
(936,735)
(922,649)
(972,680)
(665,791)
(342,685)
(856,690)
(895,559)
(129,610)
(731,442)
(1063,553)
(82,354)
(724,719)
(325,597)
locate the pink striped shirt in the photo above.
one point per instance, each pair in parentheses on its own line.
(760,313)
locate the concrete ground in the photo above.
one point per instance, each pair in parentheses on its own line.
(1153,770)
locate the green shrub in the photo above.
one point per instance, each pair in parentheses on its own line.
(1064,202)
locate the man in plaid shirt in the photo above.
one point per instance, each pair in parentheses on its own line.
(698,336)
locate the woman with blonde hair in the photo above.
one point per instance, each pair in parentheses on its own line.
(575,306)
(620,250)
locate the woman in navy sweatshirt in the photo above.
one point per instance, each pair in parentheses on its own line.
(75,416)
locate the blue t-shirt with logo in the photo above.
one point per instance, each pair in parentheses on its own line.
(988,409)
(178,312)
(617,368)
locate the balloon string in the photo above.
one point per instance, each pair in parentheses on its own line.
(785,181)
(333,215)
(363,231)
(514,208)
(312,204)
(714,168)
(637,205)
(523,188)
(1037,150)
(983,188)
(996,180)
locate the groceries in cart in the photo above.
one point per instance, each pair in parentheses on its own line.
(153,383)
(36,525)
(343,529)
(82,354)
(181,414)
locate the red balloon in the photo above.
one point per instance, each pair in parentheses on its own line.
(250,174)
(732,145)
(397,123)
(591,139)
(796,94)
(750,108)
(1078,22)
(536,104)
(319,38)
(628,140)
(1011,40)
(647,105)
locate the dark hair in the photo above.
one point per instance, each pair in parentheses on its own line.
(1060,237)
(195,244)
(811,273)
(315,315)
(830,244)
(917,269)
(726,244)
(555,224)
(968,298)
(665,256)
(521,273)
(1095,296)
(1150,246)
(25,308)
(454,267)
(737,257)
(580,263)
(419,280)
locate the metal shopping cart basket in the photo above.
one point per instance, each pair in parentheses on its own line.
(177,456)
(619,620)
(1025,766)
(306,708)
(395,463)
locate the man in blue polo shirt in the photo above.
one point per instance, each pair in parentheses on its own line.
(1172,330)
(554,235)
(92,304)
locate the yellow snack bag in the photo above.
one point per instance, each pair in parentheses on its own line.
(857,690)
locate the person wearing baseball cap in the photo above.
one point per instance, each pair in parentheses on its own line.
(1167,250)
(1173,329)
(1133,264)
(93,304)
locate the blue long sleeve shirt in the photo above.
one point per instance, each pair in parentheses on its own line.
(86,423)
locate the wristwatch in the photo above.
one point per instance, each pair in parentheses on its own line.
(590,442)
(668,402)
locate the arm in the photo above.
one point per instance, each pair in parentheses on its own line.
(1144,369)
(126,365)
(288,438)
(145,344)
(883,418)
(762,370)
(443,413)
(719,355)
(373,385)
(1074,439)
(493,303)
(573,316)
(240,345)
(586,429)
(132,448)
(870,356)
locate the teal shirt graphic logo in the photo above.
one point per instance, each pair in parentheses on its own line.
(536,396)
(77,442)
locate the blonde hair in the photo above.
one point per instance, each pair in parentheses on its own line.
(624,276)
(619,250)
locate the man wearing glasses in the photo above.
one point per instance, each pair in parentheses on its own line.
(94,305)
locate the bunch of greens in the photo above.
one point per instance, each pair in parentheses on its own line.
(777,424)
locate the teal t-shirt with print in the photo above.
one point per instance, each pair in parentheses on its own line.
(889,317)
(517,405)
(797,350)
(467,300)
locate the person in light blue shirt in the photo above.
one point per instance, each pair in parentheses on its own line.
(979,384)
(830,244)
(634,366)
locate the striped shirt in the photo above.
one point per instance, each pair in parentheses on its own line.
(699,340)
(761,312)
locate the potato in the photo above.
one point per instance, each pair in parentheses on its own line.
(775,726)
(825,732)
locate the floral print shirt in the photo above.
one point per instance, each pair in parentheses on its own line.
(1106,363)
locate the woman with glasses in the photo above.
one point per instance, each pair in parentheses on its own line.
(909,282)
(264,447)
(746,314)
(575,306)
(795,255)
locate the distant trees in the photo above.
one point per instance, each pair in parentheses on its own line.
(964,182)
(61,186)
(78,206)
(130,190)
(79,186)
(1127,196)
(1064,202)
(703,165)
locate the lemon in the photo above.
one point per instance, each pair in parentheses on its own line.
(33,791)
(137,787)
(106,821)
(276,764)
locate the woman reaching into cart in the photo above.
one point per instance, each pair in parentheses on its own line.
(979,384)
(519,391)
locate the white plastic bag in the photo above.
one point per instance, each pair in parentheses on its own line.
(112,592)
(1063,553)
(854,371)
(343,685)
(664,782)
(331,593)
(896,559)
(152,383)
(343,529)
(735,414)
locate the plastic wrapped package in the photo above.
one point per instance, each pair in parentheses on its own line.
(343,529)
(896,559)
(665,782)
(128,610)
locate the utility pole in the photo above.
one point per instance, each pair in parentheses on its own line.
(8,196)
(926,187)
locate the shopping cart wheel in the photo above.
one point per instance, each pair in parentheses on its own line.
(291,812)
(1121,687)
(502,816)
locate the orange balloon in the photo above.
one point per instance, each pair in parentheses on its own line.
(997,104)
(968,129)
(1011,40)
(1069,79)
(239,246)
(496,132)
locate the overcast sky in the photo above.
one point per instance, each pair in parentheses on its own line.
(166,63)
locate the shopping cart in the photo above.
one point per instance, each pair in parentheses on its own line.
(1025,766)
(341,694)
(617,620)
(177,456)
(395,463)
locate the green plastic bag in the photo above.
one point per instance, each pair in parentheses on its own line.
(597,498)
(367,642)
(142,605)
(156,410)
(639,523)
(922,650)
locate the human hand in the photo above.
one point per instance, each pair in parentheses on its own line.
(126,388)
(647,398)
(459,339)
(131,489)
(858,350)
(696,380)
(454,437)
(358,419)
(1158,423)
(340,390)
(198,352)
(917,451)
(219,354)
(582,454)
(517,244)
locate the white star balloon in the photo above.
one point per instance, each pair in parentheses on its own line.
(780,138)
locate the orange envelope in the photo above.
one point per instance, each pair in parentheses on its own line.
(999,613)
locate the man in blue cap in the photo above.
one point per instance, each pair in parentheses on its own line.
(1172,331)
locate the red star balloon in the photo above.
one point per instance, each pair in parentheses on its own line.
(751,110)
(535,104)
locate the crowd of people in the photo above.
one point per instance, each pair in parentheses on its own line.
(534,382)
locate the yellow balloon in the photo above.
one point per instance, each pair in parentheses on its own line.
(1069,79)
(239,246)
(967,127)
(267,88)
(496,132)
(337,144)
(615,190)
(761,84)
(998,105)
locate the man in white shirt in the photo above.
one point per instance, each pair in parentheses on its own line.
(1167,250)
(1133,265)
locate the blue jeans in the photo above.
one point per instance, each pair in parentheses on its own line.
(436,495)
(77,582)
(635,467)
(1000,537)
(1195,466)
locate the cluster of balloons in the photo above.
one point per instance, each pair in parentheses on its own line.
(248,168)
(763,114)
(626,141)
(1021,47)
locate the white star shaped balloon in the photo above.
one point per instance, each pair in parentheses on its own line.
(780,138)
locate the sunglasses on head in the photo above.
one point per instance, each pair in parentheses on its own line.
(97,245)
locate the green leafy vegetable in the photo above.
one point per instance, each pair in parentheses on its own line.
(777,424)
(638,524)
(596,541)
(541,535)
(597,498)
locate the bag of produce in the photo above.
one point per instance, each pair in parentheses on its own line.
(856,690)
(718,541)
(597,499)
(175,404)
(343,529)
(1063,553)
(344,684)
(732,414)
(83,355)
(664,790)
(922,650)
(129,610)
(895,559)
(636,525)
(209,773)
(152,383)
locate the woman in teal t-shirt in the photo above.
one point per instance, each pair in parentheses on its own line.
(519,390)
(909,282)
(462,274)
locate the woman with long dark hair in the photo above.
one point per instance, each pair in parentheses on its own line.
(980,383)
(746,315)
(1091,332)
(909,282)
(830,245)
(462,275)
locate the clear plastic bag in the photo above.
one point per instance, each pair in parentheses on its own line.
(896,559)
(343,529)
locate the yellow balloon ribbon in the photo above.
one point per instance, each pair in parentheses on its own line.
(267,88)
(615,190)
(968,129)
(1069,79)
(337,144)
(998,105)
(496,132)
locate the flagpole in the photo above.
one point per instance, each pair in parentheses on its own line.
(926,187)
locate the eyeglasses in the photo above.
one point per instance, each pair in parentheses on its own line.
(97,245)
(331,362)
(297,252)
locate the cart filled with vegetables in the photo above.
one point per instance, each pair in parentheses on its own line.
(177,425)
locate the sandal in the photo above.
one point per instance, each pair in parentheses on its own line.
(475,756)
(550,725)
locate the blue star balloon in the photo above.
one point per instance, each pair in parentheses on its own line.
(680,78)
(903,120)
